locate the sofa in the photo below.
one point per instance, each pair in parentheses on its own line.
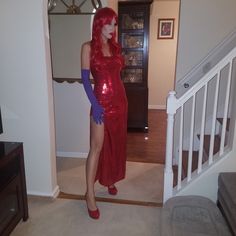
(192,216)
(227,198)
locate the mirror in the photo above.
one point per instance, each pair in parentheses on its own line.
(68,31)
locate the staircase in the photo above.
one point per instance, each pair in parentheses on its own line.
(195,154)
(198,126)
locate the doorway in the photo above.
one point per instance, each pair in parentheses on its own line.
(72,123)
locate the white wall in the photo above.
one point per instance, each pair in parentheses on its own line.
(72,120)
(26,90)
(203,24)
(162,54)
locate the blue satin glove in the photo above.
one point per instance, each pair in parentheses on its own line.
(97,110)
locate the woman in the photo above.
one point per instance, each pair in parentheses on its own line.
(106,160)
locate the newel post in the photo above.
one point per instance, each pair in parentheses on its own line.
(168,172)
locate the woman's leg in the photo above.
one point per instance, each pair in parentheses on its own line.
(96,142)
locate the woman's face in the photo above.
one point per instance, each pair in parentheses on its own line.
(109,29)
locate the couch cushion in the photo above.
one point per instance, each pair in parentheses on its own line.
(191,216)
(227,197)
(227,181)
(227,212)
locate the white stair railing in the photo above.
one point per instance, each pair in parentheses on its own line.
(177,104)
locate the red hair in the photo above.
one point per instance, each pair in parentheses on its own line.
(102,17)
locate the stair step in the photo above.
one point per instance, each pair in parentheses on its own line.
(206,144)
(185,162)
(220,120)
(185,166)
(175,174)
(195,154)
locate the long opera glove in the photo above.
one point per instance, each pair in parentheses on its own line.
(97,110)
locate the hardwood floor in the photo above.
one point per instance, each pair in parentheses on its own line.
(149,147)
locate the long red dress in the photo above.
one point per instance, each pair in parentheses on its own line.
(110,93)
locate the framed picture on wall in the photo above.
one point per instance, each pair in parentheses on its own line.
(165,29)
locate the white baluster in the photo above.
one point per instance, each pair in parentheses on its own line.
(200,154)
(212,139)
(168,172)
(190,152)
(180,149)
(222,141)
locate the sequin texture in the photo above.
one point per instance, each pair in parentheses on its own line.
(109,91)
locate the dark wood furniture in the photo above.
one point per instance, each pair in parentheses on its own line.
(133,32)
(13,197)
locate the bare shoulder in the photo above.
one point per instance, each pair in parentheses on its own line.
(85,55)
(86,46)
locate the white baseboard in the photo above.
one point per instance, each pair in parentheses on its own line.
(157,107)
(56,192)
(72,154)
(53,194)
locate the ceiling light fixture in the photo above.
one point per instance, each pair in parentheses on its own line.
(74,6)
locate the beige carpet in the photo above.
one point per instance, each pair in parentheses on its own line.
(143,182)
(63,217)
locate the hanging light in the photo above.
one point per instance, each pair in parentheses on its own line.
(51,4)
(96,4)
(72,7)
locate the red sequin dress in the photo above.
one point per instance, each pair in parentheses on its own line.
(109,91)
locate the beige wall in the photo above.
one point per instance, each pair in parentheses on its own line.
(162,55)
(113,4)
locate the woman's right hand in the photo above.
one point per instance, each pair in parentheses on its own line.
(97,113)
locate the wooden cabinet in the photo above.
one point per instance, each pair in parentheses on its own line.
(133,32)
(13,197)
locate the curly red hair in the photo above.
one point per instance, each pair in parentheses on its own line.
(102,17)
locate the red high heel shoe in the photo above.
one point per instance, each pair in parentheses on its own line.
(94,214)
(112,190)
